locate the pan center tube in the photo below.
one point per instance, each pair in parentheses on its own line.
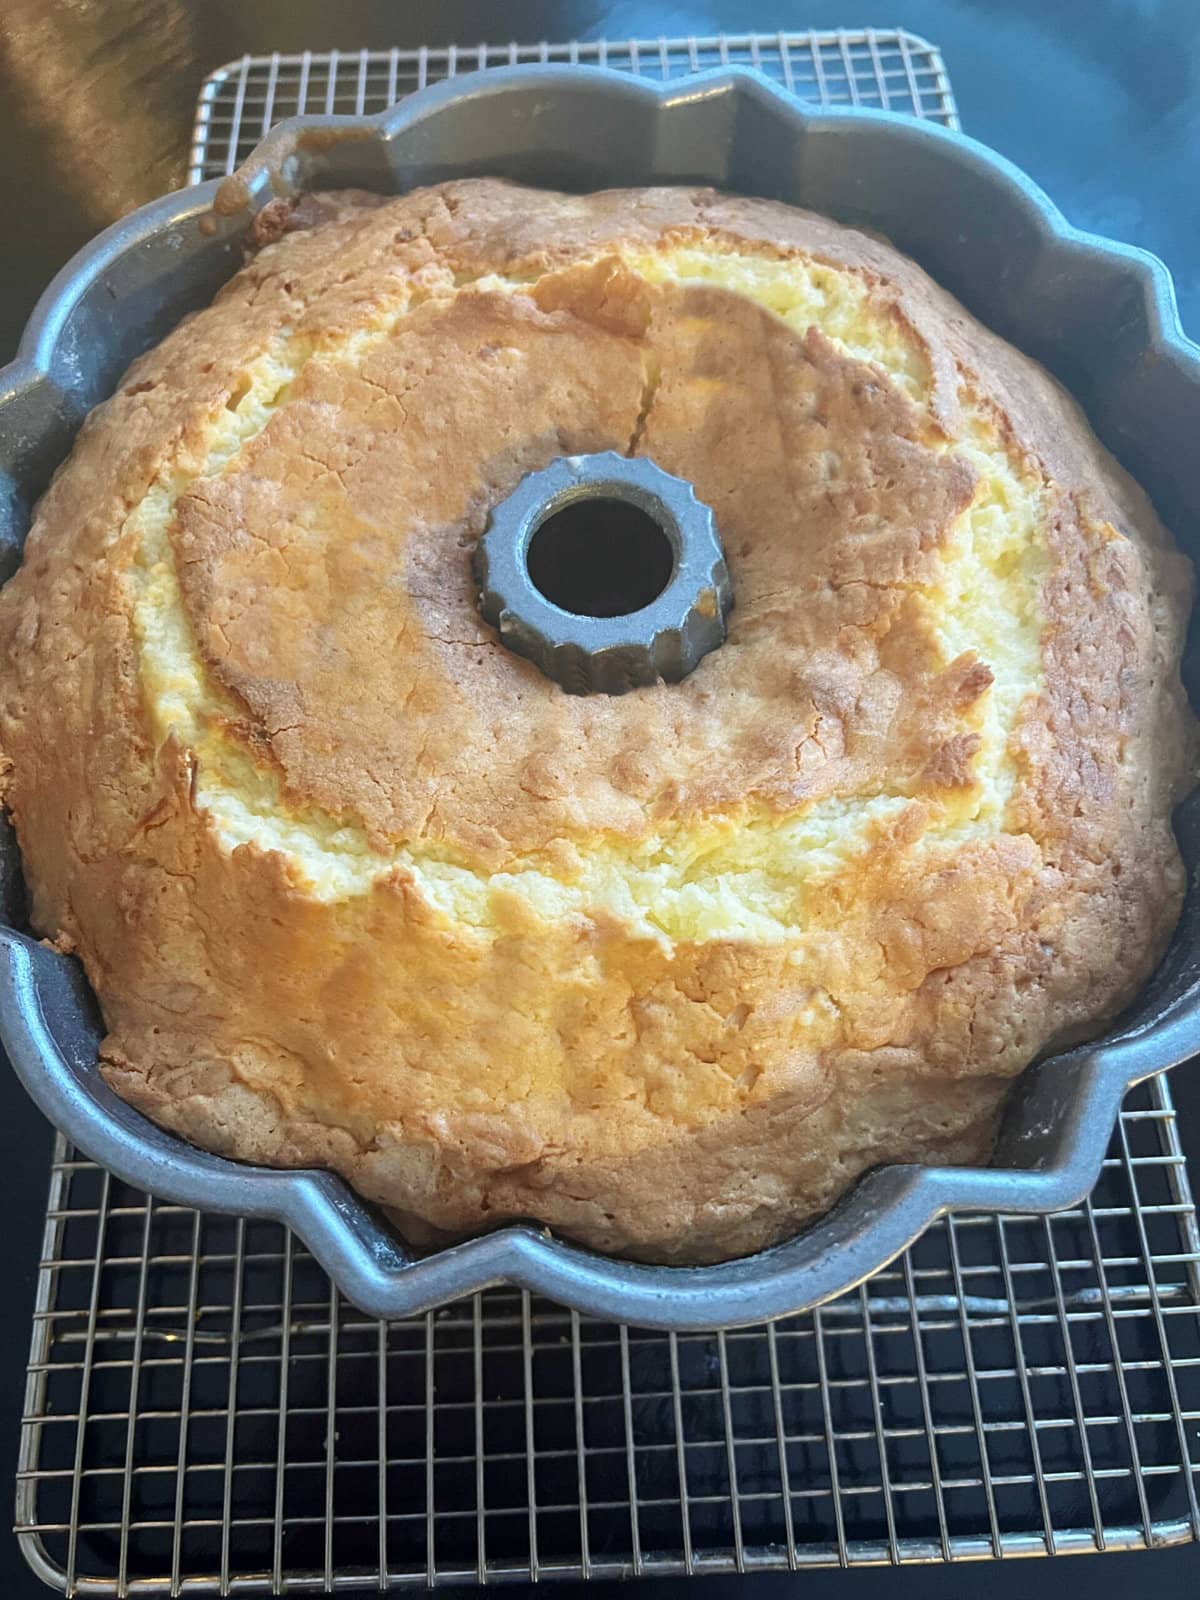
(606,572)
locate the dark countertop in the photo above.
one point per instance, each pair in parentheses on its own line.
(1098,99)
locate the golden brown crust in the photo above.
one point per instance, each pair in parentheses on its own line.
(683,1096)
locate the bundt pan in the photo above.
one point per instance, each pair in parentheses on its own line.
(1100,315)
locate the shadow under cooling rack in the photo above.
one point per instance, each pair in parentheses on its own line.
(205,1415)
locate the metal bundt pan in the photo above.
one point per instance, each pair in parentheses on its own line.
(1100,315)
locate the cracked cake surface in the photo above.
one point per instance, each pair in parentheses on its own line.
(359,888)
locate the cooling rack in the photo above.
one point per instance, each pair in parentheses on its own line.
(890,69)
(205,1415)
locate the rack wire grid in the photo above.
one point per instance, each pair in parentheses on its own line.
(205,1415)
(240,102)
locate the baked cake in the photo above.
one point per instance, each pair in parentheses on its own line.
(359,888)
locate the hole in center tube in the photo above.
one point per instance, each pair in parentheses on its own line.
(600,557)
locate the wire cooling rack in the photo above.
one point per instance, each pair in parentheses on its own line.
(891,69)
(205,1415)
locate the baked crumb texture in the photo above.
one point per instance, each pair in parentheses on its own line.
(359,889)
